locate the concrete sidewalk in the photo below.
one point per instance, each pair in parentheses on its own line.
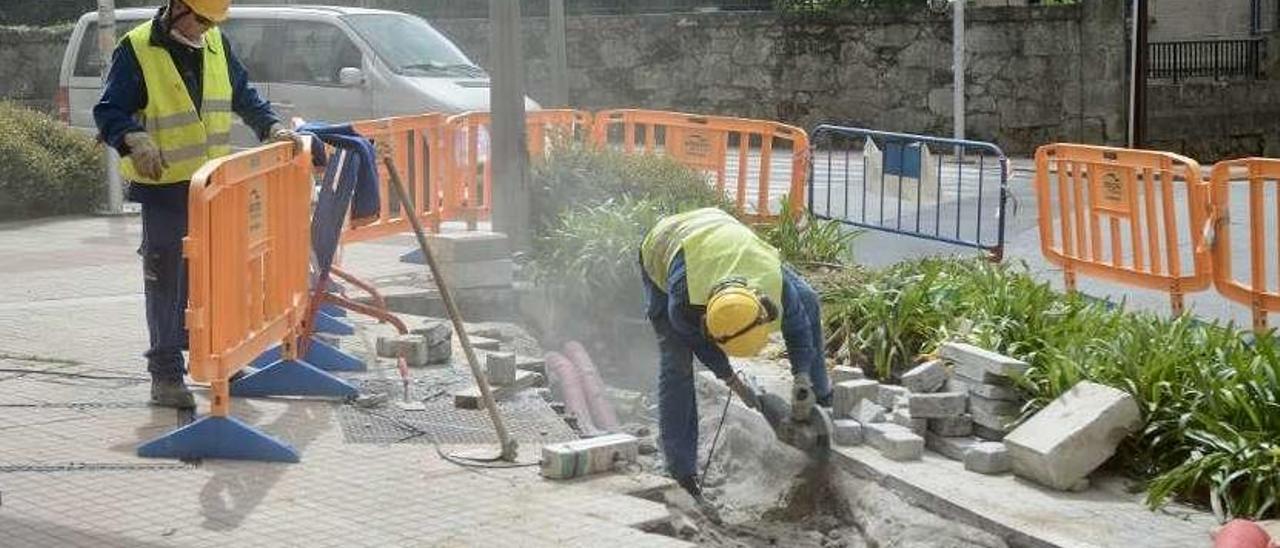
(73,392)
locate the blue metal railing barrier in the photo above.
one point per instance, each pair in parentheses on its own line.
(945,190)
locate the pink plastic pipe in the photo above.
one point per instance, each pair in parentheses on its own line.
(592,387)
(566,375)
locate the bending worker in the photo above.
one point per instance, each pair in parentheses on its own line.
(166,107)
(715,288)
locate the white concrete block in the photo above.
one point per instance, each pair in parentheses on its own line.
(926,377)
(989,458)
(1073,435)
(412,347)
(848,432)
(981,364)
(894,442)
(849,393)
(500,367)
(868,412)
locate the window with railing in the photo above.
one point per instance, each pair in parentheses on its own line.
(1217,59)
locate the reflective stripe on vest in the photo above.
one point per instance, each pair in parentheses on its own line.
(186,138)
(716,247)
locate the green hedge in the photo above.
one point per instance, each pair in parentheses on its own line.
(45,167)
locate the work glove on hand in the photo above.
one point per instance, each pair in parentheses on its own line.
(802,397)
(279,134)
(744,391)
(146,156)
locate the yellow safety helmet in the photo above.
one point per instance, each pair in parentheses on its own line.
(737,318)
(213,10)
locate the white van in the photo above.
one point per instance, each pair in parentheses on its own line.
(333,64)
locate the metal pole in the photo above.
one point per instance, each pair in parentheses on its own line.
(1133,75)
(958,69)
(511,194)
(559,56)
(106,44)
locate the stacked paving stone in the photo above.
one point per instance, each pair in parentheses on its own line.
(859,415)
(987,377)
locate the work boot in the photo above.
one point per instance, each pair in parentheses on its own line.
(690,485)
(827,400)
(171,393)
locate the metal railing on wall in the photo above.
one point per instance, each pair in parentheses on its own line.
(1217,59)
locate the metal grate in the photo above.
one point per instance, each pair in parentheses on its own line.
(529,419)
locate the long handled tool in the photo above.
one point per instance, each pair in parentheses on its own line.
(508,445)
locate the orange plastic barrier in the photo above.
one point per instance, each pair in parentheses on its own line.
(1125,198)
(417,146)
(1255,175)
(720,146)
(469,192)
(248,251)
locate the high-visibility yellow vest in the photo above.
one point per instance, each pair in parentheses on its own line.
(187,138)
(716,247)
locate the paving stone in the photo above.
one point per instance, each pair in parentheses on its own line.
(1073,435)
(982,364)
(937,405)
(960,383)
(841,373)
(902,417)
(868,412)
(988,457)
(500,367)
(532,364)
(961,425)
(849,393)
(590,456)
(888,394)
(484,343)
(893,441)
(989,434)
(979,404)
(848,432)
(469,398)
(413,347)
(926,377)
(435,331)
(997,423)
(952,447)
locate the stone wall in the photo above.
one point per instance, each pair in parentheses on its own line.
(1177,20)
(29,62)
(1036,75)
(1210,121)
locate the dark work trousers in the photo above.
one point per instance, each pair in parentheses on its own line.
(164,270)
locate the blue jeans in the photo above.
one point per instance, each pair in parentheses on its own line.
(677,325)
(164,272)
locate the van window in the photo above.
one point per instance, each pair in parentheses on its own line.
(316,53)
(88,61)
(253,44)
(409,44)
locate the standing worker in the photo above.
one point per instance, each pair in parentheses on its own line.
(166,107)
(714,288)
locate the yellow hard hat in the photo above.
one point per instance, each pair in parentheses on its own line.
(738,318)
(213,10)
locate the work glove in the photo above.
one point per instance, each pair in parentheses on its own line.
(282,134)
(146,156)
(744,391)
(802,397)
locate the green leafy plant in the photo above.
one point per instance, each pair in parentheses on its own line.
(806,240)
(1210,394)
(45,167)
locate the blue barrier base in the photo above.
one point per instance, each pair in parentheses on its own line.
(292,378)
(319,354)
(218,438)
(332,310)
(413,257)
(325,323)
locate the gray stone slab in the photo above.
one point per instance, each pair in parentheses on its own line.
(497,273)
(841,373)
(469,398)
(1005,391)
(988,458)
(887,395)
(412,347)
(988,434)
(988,407)
(1073,435)
(848,432)
(980,363)
(868,412)
(500,367)
(961,425)
(849,393)
(926,377)
(937,405)
(469,246)
(893,441)
(952,447)
(902,417)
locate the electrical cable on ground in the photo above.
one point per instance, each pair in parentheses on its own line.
(70,375)
(711,453)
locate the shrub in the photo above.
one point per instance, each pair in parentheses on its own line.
(807,240)
(1210,394)
(46,168)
